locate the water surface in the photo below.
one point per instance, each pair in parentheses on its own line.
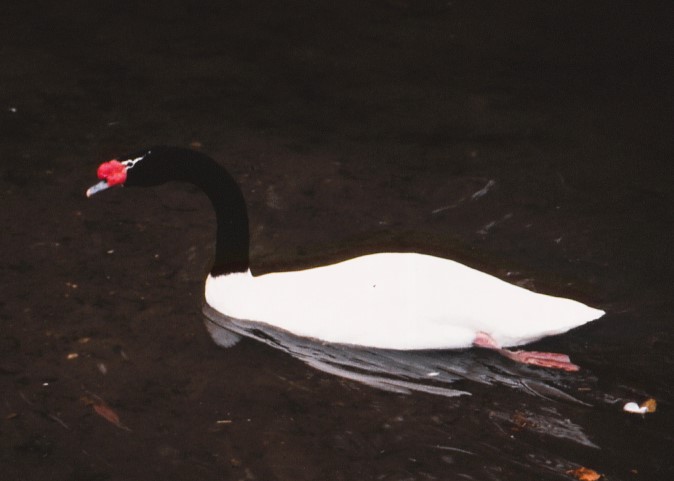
(530,141)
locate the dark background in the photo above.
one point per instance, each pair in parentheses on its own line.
(351,126)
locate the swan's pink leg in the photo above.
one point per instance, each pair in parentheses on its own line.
(544,359)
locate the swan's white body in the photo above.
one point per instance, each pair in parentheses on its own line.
(396,301)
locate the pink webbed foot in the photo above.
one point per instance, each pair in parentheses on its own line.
(543,359)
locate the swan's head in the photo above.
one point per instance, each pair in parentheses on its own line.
(142,168)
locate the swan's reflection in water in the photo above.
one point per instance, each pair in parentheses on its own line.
(438,372)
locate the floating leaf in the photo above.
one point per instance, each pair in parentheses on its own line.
(108,414)
(584,474)
(105,412)
(650,404)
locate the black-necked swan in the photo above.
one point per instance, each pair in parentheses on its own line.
(388,300)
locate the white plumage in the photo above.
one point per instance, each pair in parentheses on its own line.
(396,301)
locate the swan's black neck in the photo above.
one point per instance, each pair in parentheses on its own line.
(232,238)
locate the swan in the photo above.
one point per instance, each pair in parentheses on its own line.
(387,300)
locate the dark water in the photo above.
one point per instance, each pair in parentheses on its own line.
(530,140)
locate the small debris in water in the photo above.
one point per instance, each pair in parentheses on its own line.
(584,474)
(483,191)
(102,367)
(104,411)
(633,407)
(72,355)
(108,414)
(648,406)
(53,417)
(450,448)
